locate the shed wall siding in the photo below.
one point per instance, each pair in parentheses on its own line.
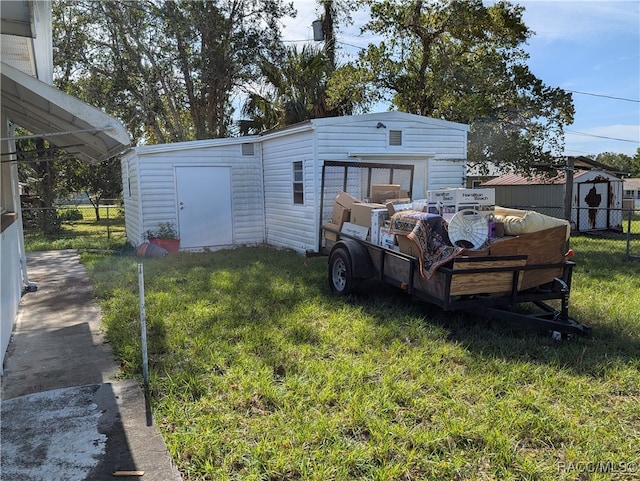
(158,202)
(289,225)
(444,168)
(529,195)
(445,173)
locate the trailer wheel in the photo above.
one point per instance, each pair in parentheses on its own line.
(340,275)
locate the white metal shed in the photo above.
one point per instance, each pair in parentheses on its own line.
(267,188)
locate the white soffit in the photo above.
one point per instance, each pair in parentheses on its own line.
(63,119)
(17,18)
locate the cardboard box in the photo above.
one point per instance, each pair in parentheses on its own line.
(357,231)
(455,196)
(340,214)
(381,193)
(446,202)
(361,213)
(387,239)
(345,199)
(407,246)
(378,219)
(331,236)
(477,196)
(444,196)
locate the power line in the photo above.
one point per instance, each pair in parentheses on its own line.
(600,136)
(603,96)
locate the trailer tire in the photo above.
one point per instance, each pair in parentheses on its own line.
(340,272)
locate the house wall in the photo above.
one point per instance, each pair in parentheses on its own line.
(631,191)
(149,185)
(10,252)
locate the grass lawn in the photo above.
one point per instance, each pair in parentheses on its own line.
(86,233)
(257,372)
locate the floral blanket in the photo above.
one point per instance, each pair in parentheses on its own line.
(430,234)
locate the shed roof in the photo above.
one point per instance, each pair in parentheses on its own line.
(631,183)
(517,179)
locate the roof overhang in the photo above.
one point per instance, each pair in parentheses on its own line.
(393,154)
(61,118)
(17,19)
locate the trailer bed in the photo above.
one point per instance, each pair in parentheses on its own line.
(521,269)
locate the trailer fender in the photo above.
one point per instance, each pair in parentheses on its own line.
(359,256)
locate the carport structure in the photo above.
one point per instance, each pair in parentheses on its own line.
(29,101)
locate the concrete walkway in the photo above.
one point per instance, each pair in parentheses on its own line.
(65,416)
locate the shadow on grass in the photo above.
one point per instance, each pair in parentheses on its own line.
(248,296)
(495,338)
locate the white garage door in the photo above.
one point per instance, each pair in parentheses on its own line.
(204,206)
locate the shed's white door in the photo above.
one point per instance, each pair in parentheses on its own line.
(204,206)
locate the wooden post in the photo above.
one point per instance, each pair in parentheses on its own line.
(568,187)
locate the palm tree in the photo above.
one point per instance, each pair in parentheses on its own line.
(295,91)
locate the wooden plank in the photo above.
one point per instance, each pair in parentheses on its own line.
(483,282)
(544,247)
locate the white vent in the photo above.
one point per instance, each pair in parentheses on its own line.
(247,149)
(395,137)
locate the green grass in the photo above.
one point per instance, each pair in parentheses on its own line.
(106,234)
(257,372)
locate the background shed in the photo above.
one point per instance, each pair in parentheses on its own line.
(596,202)
(267,188)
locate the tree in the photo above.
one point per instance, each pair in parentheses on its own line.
(36,159)
(463,61)
(621,162)
(306,83)
(635,164)
(168,69)
(295,91)
(99,182)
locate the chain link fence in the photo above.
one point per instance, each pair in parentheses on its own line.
(631,227)
(103,225)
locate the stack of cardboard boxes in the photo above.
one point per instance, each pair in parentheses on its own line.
(365,220)
(370,220)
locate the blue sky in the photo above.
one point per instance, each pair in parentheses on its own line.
(592,47)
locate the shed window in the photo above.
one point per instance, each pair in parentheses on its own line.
(298,183)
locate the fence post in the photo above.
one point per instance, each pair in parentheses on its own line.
(627,256)
(108,224)
(568,190)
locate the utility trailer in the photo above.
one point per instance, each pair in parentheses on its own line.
(530,269)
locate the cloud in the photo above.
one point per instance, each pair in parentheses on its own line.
(578,21)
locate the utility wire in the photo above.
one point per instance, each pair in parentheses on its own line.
(603,96)
(600,136)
